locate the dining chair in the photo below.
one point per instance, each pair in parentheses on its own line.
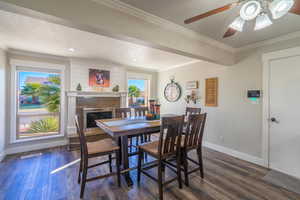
(123,112)
(126,113)
(105,147)
(167,146)
(141,112)
(192,140)
(190,110)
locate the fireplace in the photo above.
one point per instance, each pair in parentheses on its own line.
(92,114)
(96,105)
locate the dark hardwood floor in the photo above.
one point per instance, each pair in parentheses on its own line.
(226,178)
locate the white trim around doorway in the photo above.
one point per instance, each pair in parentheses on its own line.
(266,59)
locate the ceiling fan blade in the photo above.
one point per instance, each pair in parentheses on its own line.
(296,8)
(229,32)
(211,12)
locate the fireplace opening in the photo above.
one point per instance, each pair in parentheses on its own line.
(92,116)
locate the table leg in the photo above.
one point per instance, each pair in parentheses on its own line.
(125,159)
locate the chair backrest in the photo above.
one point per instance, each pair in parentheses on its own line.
(82,139)
(123,112)
(170,135)
(194,131)
(140,111)
(190,110)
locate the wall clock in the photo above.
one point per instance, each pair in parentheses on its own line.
(172,91)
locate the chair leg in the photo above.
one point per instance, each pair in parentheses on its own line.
(178,165)
(136,141)
(142,138)
(199,152)
(163,166)
(84,175)
(110,163)
(139,169)
(80,170)
(118,163)
(145,157)
(185,167)
(130,144)
(120,150)
(160,183)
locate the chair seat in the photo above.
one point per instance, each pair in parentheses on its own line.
(151,147)
(102,146)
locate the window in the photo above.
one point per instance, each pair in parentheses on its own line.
(37,103)
(138,90)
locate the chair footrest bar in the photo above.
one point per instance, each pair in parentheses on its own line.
(102,176)
(95,165)
(153,178)
(193,170)
(149,167)
(169,181)
(193,161)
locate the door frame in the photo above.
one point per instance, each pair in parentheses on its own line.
(14,63)
(266,59)
(139,76)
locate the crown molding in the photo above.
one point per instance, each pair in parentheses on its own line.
(263,43)
(141,14)
(12,51)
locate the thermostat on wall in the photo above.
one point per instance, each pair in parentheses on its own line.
(253,93)
(253,96)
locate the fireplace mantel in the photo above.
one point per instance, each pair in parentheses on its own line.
(72,95)
(95,94)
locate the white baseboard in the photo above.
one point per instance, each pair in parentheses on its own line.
(2,155)
(234,153)
(33,147)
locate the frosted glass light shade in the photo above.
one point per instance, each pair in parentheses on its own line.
(279,8)
(250,10)
(262,21)
(237,24)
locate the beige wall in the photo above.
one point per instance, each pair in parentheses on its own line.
(2,101)
(76,71)
(118,73)
(236,123)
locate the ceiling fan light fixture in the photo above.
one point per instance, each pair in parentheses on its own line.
(279,8)
(262,21)
(250,10)
(237,24)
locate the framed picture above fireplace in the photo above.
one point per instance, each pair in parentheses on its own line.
(99,78)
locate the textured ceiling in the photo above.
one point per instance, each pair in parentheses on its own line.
(215,26)
(26,33)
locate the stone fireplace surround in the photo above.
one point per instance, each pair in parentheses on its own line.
(91,100)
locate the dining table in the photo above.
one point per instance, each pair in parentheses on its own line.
(119,129)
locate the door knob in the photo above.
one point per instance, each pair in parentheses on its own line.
(273,119)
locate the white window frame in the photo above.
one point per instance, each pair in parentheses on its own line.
(60,68)
(139,76)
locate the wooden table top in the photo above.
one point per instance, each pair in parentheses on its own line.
(129,126)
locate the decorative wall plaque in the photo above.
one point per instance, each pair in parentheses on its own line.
(211,92)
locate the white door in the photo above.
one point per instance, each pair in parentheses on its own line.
(284,123)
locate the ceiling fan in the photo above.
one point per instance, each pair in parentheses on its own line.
(253,9)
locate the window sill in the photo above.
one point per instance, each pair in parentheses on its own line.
(36,138)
